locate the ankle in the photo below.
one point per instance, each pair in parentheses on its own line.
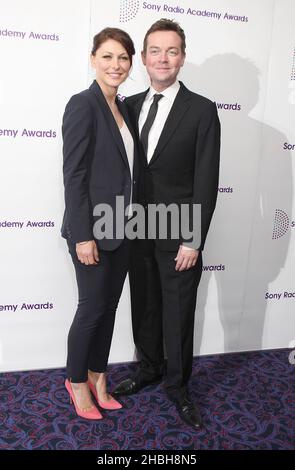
(78,385)
(96,376)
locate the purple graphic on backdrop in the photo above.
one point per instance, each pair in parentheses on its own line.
(43,36)
(211,267)
(10,224)
(10,33)
(229,106)
(29,306)
(39,224)
(279,295)
(288,146)
(43,134)
(128,10)
(28,223)
(7,33)
(228,190)
(49,134)
(8,133)
(281,224)
(26,306)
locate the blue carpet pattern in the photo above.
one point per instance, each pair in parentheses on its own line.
(247,401)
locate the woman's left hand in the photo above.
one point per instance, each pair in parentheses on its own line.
(87,252)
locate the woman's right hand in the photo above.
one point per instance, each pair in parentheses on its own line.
(87,252)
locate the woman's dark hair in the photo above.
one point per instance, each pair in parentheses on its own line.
(117,35)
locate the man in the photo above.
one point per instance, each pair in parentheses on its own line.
(179,134)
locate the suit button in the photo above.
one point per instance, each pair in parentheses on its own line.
(134,182)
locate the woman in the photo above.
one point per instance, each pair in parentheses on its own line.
(99,165)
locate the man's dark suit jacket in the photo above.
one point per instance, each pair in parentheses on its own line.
(95,167)
(185,165)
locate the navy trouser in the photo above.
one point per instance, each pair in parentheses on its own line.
(99,288)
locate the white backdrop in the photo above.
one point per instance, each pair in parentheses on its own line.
(239,53)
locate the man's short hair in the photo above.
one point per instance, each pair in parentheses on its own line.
(165,25)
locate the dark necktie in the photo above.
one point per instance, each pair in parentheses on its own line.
(144,135)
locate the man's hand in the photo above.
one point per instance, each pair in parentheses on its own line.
(186,258)
(87,252)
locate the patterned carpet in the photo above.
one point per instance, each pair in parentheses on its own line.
(247,401)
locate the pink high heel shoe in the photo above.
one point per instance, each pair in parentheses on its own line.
(111,404)
(92,413)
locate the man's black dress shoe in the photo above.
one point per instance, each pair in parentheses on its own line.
(188,412)
(130,386)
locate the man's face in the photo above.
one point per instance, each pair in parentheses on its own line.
(163,58)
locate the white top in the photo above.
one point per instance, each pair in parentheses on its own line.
(164,107)
(129,147)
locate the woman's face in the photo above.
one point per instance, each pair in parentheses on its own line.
(111,63)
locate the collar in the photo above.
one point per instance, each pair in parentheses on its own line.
(169,92)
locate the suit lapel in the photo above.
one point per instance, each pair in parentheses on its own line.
(137,108)
(179,107)
(112,125)
(123,110)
